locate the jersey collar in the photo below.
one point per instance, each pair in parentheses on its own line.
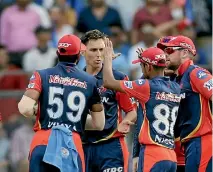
(183,67)
(67,64)
(99,75)
(166,78)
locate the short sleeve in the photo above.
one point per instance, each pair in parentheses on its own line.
(201,82)
(95,99)
(139,89)
(35,82)
(124,100)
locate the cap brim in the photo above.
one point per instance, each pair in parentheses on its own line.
(83,47)
(162,46)
(136,61)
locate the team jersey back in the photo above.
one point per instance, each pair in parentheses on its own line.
(195,117)
(66,96)
(114,102)
(159,98)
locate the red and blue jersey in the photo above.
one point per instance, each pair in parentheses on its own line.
(194,116)
(159,99)
(114,103)
(66,96)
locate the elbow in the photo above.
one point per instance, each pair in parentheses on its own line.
(27,112)
(100,125)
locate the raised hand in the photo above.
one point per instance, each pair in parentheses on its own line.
(108,50)
(139,52)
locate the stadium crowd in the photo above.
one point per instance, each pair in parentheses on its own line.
(31,29)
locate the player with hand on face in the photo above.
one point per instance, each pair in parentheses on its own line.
(194,122)
(64,96)
(158,99)
(106,150)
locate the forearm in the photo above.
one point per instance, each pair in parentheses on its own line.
(27,106)
(95,121)
(89,123)
(107,73)
(108,77)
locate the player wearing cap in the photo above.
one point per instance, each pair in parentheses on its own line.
(106,150)
(194,123)
(65,95)
(171,71)
(159,99)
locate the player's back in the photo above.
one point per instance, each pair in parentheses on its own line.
(66,97)
(160,113)
(159,99)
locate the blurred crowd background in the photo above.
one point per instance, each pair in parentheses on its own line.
(30,30)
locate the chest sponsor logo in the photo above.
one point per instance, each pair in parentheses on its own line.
(67,81)
(208,84)
(167,97)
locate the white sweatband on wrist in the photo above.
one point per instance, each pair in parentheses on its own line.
(26,106)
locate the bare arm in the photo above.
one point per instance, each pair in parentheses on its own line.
(96,118)
(27,103)
(108,78)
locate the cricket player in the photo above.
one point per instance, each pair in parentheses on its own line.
(159,99)
(106,150)
(64,96)
(194,122)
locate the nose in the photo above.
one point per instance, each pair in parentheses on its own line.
(99,53)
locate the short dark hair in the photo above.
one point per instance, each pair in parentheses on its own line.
(159,68)
(92,34)
(67,58)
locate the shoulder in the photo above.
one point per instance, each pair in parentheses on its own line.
(45,71)
(119,75)
(199,72)
(87,77)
